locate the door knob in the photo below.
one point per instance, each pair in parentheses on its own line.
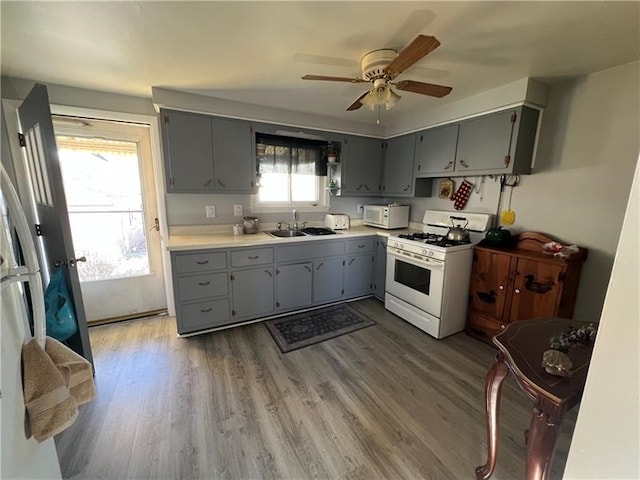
(73,261)
(517,290)
(156,225)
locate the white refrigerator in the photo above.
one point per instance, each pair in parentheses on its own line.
(21,457)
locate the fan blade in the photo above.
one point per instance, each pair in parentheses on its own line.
(356,105)
(423,88)
(421,46)
(334,79)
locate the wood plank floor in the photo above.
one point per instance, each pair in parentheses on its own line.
(388,401)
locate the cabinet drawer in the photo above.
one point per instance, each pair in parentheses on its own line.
(360,245)
(203,315)
(202,286)
(320,249)
(246,258)
(200,262)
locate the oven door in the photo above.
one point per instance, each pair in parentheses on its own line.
(416,281)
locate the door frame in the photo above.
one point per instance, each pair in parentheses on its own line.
(10,108)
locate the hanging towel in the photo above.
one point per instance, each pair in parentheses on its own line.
(76,371)
(50,407)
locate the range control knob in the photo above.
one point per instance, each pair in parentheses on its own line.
(430,253)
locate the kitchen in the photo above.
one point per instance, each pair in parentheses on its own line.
(579,188)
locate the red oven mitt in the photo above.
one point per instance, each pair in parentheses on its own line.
(462,195)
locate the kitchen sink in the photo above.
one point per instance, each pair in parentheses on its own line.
(318,231)
(286,233)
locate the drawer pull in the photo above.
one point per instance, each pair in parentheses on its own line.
(502,326)
(254,257)
(202,284)
(501,287)
(517,290)
(206,310)
(202,262)
(361,246)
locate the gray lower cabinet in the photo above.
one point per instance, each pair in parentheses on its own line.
(397,166)
(206,154)
(380,267)
(252,293)
(201,289)
(293,286)
(359,267)
(328,280)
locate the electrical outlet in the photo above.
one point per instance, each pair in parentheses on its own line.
(237,210)
(360,208)
(210,211)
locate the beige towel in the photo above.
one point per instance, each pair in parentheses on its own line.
(76,371)
(50,407)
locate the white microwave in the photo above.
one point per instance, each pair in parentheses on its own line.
(386,216)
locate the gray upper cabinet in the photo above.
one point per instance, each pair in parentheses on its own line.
(188,151)
(397,166)
(501,142)
(205,154)
(436,150)
(233,156)
(361,162)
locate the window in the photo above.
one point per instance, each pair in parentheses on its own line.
(291,172)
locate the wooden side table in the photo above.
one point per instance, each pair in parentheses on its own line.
(521,346)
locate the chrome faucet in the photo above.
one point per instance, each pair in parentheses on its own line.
(295,219)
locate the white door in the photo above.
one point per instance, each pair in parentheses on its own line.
(111,199)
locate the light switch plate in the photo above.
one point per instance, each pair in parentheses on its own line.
(237,210)
(210,211)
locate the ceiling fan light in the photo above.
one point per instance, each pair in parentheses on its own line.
(392,100)
(370,100)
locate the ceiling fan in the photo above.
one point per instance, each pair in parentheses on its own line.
(380,67)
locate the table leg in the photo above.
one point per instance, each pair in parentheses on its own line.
(541,442)
(493,389)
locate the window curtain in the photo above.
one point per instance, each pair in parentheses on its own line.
(287,155)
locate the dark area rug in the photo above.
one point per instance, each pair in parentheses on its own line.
(304,329)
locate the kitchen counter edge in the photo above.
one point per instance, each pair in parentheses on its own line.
(178,243)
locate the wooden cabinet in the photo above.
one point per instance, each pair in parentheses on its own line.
(380,267)
(520,283)
(436,151)
(361,165)
(205,154)
(293,286)
(398,155)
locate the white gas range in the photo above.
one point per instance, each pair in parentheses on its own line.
(427,280)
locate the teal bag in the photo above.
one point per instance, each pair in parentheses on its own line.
(61,318)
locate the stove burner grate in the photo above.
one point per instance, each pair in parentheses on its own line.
(432,239)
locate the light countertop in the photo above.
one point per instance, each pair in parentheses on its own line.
(225,240)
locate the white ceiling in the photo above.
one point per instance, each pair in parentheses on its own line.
(256,52)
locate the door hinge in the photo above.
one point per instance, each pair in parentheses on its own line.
(514,116)
(171,182)
(232,277)
(233,313)
(277,271)
(277,304)
(343,263)
(22,140)
(342,292)
(166,118)
(38,229)
(561,276)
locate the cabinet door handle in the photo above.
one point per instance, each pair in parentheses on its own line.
(269,273)
(206,310)
(254,257)
(517,290)
(221,184)
(449,165)
(464,164)
(365,186)
(320,266)
(351,261)
(202,284)
(207,183)
(359,188)
(501,287)
(308,268)
(502,326)
(407,189)
(202,262)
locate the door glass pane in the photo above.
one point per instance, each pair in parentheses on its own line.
(104,198)
(412,276)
